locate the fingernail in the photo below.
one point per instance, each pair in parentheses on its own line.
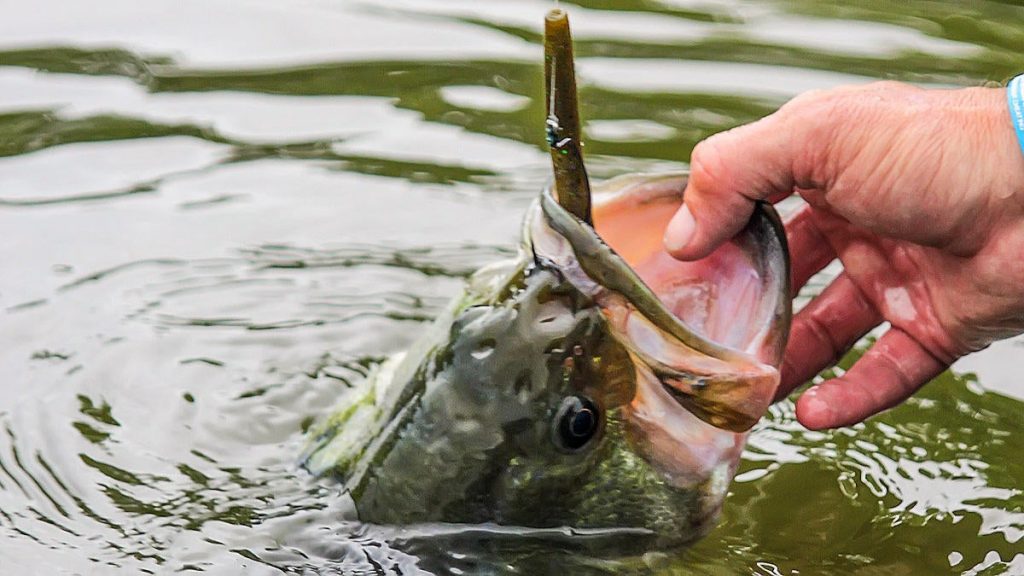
(680,230)
(814,412)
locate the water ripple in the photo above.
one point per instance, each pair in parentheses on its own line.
(220,216)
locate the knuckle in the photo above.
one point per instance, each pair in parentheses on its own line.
(824,335)
(810,102)
(708,169)
(887,86)
(839,102)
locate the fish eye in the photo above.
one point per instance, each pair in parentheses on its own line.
(576,422)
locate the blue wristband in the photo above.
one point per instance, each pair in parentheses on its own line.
(1015,96)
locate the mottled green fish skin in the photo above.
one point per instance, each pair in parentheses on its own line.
(461,429)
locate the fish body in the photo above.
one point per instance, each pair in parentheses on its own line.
(591,382)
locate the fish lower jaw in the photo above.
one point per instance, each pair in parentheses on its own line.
(687,451)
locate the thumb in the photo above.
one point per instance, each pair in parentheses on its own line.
(729,172)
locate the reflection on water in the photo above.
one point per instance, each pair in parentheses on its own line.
(217,216)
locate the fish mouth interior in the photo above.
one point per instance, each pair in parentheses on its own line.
(723,297)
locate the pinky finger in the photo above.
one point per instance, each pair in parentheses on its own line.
(891,371)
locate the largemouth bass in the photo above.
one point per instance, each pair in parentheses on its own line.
(592,382)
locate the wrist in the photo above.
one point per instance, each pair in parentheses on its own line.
(999,142)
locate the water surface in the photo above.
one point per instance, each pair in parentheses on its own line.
(218,215)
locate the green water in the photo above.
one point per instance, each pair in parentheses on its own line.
(217,215)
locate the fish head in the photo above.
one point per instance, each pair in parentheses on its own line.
(594,384)
(713,330)
(704,341)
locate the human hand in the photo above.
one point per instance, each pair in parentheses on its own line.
(919,193)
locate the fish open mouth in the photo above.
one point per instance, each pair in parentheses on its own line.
(715,329)
(733,298)
(711,331)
